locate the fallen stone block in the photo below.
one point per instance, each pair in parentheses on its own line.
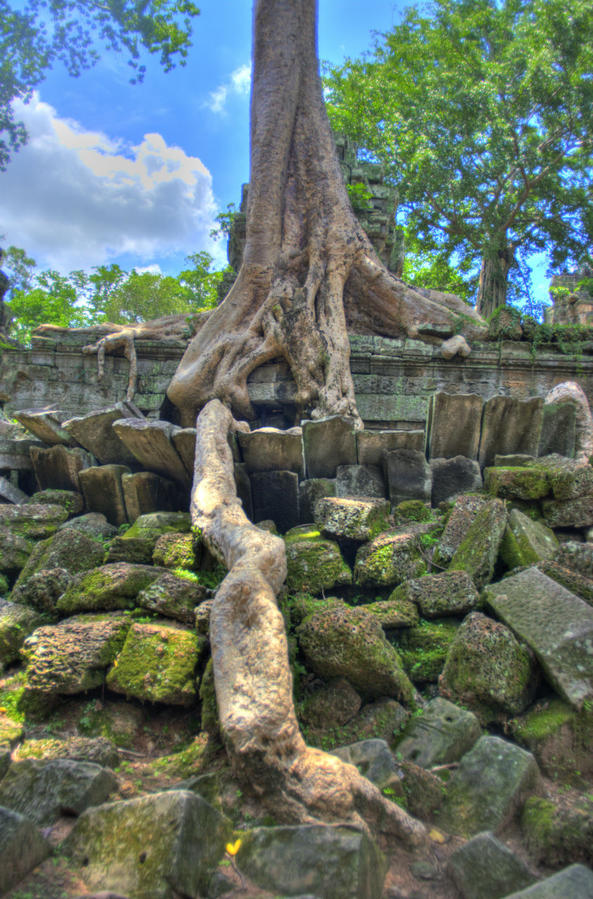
(275,496)
(510,425)
(371,445)
(450,477)
(22,848)
(327,443)
(150,442)
(351,519)
(46,425)
(360,480)
(558,434)
(96,434)
(453,427)
(58,466)
(102,489)
(408,475)
(145,492)
(484,868)
(443,733)
(270,449)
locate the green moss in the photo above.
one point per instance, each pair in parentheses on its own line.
(522,482)
(177,551)
(542,723)
(11,693)
(388,560)
(412,510)
(314,564)
(423,649)
(209,718)
(193,759)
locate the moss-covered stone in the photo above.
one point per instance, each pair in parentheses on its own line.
(69,499)
(330,706)
(393,613)
(16,623)
(340,641)
(351,519)
(568,478)
(69,549)
(572,580)
(382,719)
(209,722)
(43,589)
(560,738)
(526,542)
(439,595)
(478,551)
(158,663)
(460,519)
(4,585)
(412,510)
(122,723)
(488,670)
(389,559)
(177,551)
(71,657)
(298,607)
(14,550)
(559,833)
(517,483)
(314,564)
(113,586)
(423,649)
(155,524)
(34,521)
(173,597)
(98,750)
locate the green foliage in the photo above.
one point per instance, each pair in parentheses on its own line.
(480,113)
(35,35)
(360,196)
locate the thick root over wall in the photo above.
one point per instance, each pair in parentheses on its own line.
(253,680)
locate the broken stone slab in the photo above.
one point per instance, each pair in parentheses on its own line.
(460,520)
(43,790)
(571,513)
(333,861)
(184,441)
(96,434)
(484,868)
(526,542)
(72,657)
(70,549)
(371,445)
(16,453)
(489,787)
(351,519)
(558,434)
(145,492)
(574,882)
(442,734)
(46,425)
(510,425)
(10,493)
(150,442)
(408,475)
(569,478)
(310,491)
(478,551)
(453,427)
(32,520)
(373,758)
(556,624)
(69,499)
(527,483)
(22,848)
(360,480)
(58,466)
(101,486)
(327,443)
(270,449)
(116,849)
(450,477)
(275,496)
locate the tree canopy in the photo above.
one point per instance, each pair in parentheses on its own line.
(38,33)
(482,113)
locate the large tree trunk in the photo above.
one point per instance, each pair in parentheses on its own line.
(309,272)
(494,276)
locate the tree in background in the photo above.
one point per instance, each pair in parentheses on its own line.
(36,34)
(482,114)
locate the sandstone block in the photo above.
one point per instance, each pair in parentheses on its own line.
(453,427)
(408,475)
(59,466)
(327,443)
(510,425)
(103,491)
(270,449)
(95,433)
(450,477)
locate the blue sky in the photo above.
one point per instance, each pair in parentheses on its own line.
(135,174)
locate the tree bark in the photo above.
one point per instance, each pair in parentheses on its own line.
(494,275)
(309,273)
(252,675)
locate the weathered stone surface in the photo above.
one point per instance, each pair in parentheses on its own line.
(525,482)
(93,524)
(423,794)
(72,656)
(351,519)
(392,557)
(270,449)
(450,477)
(314,564)
(275,496)
(184,441)
(392,613)
(150,442)
(340,641)
(489,787)
(488,670)
(510,425)
(158,663)
(9,493)
(558,433)
(577,556)
(526,542)
(327,443)
(15,453)
(443,733)
(330,706)
(571,513)
(309,492)
(32,520)
(96,434)
(569,478)
(423,648)
(22,848)
(69,499)
(102,489)
(556,624)
(116,849)
(559,831)
(177,551)
(453,427)
(336,862)
(113,586)
(458,524)
(14,550)
(146,492)
(572,392)
(46,425)
(44,790)
(59,466)
(371,445)
(360,480)
(577,583)
(408,475)
(43,589)
(173,597)
(202,617)
(438,595)
(478,551)
(574,882)
(484,868)
(97,750)
(373,758)
(16,623)
(70,549)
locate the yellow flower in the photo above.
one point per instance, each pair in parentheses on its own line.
(233,848)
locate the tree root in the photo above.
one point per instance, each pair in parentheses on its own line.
(250,657)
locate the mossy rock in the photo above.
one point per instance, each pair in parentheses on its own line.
(113,586)
(412,510)
(158,663)
(488,670)
(35,521)
(351,519)
(526,542)
(517,483)
(559,833)
(478,551)
(14,550)
(16,623)
(4,585)
(69,549)
(393,613)
(69,499)
(560,738)
(389,559)
(119,722)
(98,750)
(314,564)
(330,706)
(154,524)
(567,577)
(382,719)
(209,722)
(177,551)
(423,649)
(568,478)
(440,595)
(299,606)
(173,597)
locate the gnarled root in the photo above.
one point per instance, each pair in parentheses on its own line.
(251,670)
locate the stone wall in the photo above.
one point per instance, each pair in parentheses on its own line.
(393,379)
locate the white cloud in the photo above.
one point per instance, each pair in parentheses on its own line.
(74,198)
(239,82)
